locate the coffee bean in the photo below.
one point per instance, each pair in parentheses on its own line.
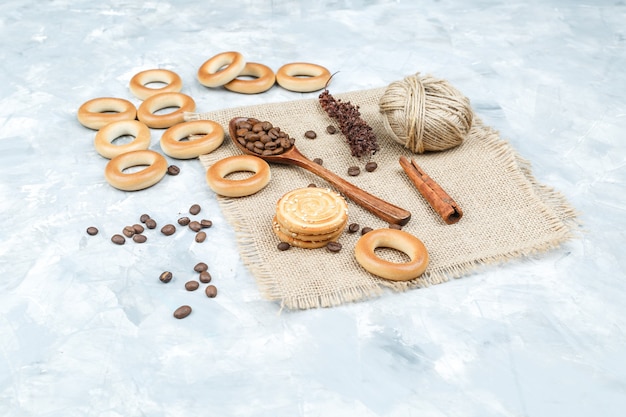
(200,267)
(371,166)
(210,291)
(165,277)
(195,209)
(366,230)
(333,246)
(92,231)
(205,277)
(139,238)
(192,285)
(309,134)
(200,237)
(195,226)
(331,129)
(118,239)
(206,223)
(395,226)
(168,229)
(138,228)
(173,170)
(151,224)
(144,218)
(128,231)
(354,171)
(184,221)
(311,185)
(283,246)
(353,228)
(319,161)
(182,312)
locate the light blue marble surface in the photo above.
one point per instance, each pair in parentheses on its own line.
(86,328)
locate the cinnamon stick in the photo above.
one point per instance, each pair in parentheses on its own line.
(438,199)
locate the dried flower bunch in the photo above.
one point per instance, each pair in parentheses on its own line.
(358,133)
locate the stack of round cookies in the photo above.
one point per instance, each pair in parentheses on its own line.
(310,217)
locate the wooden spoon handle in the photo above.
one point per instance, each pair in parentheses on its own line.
(381,208)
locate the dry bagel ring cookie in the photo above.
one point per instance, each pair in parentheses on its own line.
(221,69)
(139,81)
(395,239)
(215,175)
(264,79)
(302,77)
(212,136)
(312,211)
(156,168)
(99,112)
(160,101)
(103,141)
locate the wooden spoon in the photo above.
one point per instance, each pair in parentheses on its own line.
(381,208)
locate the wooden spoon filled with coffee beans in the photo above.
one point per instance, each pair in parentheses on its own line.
(262,139)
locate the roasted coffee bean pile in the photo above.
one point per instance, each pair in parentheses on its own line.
(262,138)
(191,285)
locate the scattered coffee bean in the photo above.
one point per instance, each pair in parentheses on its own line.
(138,228)
(200,237)
(195,209)
(151,224)
(353,228)
(371,166)
(283,246)
(333,246)
(210,291)
(395,226)
(366,230)
(184,221)
(354,171)
(206,223)
(319,161)
(201,267)
(92,231)
(144,218)
(331,129)
(311,185)
(168,229)
(205,277)
(165,277)
(192,285)
(309,134)
(118,239)
(128,231)
(173,170)
(195,226)
(139,238)
(182,312)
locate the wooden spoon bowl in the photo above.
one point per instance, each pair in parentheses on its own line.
(292,156)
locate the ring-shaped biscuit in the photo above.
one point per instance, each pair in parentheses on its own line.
(394,239)
(302,77)
(156,168)
(211,136)
(138,84)
(99,112)
(263,80)
(241,187)
(160,101)
(103,141)
(221,69)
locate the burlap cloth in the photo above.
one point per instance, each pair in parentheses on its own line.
(507,213)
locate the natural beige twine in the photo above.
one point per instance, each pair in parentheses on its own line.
(507,213)
(426,113)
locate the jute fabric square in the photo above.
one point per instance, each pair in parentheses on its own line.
(507,213)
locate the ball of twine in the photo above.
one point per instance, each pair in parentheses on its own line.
(426,113)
